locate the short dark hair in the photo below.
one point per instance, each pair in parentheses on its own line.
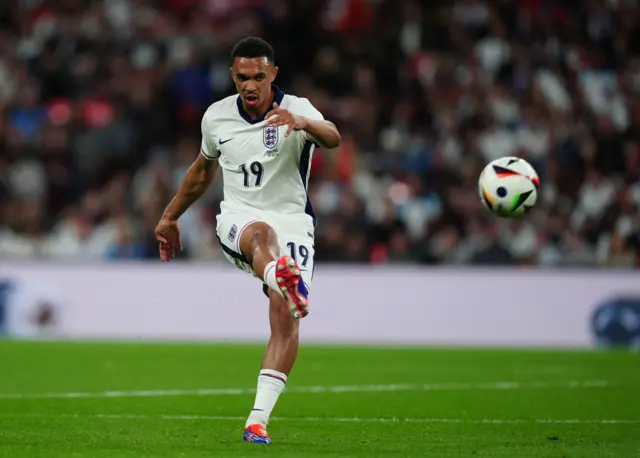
(251,47)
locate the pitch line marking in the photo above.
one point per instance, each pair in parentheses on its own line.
(317,389)
(483,421)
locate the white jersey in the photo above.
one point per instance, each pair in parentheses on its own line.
(262,170)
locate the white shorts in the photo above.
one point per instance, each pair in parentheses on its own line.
(295,237)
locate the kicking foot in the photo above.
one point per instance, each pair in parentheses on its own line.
(289,281)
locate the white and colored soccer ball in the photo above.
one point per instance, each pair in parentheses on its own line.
(509,187)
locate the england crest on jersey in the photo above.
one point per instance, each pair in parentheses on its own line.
(270,136)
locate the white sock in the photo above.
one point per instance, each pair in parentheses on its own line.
(270,385)
(270,277)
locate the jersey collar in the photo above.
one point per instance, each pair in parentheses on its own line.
(278,96)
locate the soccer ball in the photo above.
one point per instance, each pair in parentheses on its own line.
(508,187)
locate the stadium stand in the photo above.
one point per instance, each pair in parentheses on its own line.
(100,106)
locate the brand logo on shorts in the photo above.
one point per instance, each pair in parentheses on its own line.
(270,136)
(232,233)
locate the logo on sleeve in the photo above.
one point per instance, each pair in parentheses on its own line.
(232,233)
(222,142)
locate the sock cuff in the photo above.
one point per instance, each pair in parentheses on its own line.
(268,267)
(275,375)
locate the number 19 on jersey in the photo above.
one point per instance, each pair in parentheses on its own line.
(256,169)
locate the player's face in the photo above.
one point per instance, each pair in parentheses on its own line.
(253,78)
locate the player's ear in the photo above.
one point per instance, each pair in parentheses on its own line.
(274,73)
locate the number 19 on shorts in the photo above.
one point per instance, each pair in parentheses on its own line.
(300,254)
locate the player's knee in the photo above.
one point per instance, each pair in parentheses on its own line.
(259,235)
(262,234)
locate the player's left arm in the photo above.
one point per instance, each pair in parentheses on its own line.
(309,120)
(322,132)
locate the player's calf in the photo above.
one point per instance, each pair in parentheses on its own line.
(278,360)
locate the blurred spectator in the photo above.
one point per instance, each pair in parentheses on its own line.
(100,103)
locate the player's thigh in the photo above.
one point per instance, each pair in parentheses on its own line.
(229,229)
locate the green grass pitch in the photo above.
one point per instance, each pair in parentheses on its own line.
(110,400)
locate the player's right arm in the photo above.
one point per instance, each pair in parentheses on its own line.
(200,174)
(195,183)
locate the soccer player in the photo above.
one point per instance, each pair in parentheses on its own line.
(263,140)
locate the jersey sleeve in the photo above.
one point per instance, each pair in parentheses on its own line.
(208,146)
(305,108)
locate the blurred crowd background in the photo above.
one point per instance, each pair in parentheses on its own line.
(100,107)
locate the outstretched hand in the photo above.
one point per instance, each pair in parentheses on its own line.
(168,235)
(281,117)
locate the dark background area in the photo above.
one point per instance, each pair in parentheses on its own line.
(100,106)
